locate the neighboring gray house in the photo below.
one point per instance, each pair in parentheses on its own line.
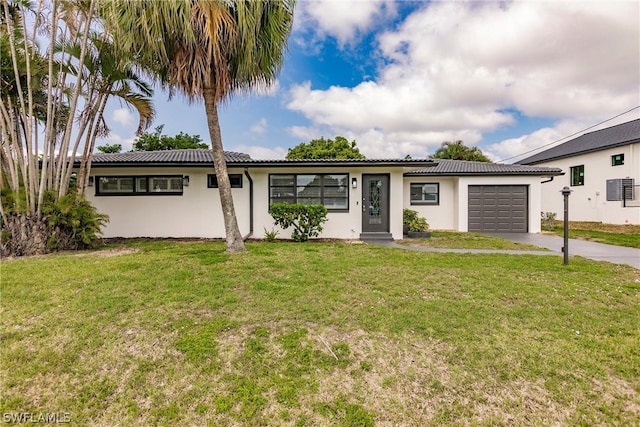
(602,168)
(174,194)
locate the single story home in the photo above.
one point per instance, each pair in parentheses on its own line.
(603,172)
(174,194)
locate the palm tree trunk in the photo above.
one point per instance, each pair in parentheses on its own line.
(234,238)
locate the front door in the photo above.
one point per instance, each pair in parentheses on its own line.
(375,203)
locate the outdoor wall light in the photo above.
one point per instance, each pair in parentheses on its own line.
(185,181)
(90,183)
(354,182)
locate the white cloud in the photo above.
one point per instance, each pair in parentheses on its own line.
(259,127)
(455,70)
(306,134)
(343,20)
(123,116)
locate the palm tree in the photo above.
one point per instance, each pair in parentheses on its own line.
(207,50)
(54,85)
(110,75)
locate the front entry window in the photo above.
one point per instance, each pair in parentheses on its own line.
(375,203)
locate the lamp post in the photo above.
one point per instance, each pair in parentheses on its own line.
(566,191)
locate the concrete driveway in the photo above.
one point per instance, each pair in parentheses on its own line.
(583,248)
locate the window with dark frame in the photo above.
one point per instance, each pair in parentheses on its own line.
(330,190)
(617,160)
(147,185)
(234,178)
(424,193)
(577,175)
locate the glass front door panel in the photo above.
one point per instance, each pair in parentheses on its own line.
(375,201)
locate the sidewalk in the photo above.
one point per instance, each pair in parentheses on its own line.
(590,250)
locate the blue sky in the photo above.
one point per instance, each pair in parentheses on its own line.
(401,77)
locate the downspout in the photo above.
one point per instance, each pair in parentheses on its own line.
(549,180)
(246,173)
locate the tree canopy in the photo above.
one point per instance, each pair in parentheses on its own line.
(155,141)
(338,148)
(458,151)
(207,50)
(110,148)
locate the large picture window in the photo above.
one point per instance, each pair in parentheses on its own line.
(577,175)
(139,185)
(425,193)
(330,190)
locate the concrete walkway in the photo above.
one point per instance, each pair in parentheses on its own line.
(583,248)
(590,250)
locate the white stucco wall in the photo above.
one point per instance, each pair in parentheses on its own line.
(341,225)
(453,211)
(588,202)
(442,216)
(196,213)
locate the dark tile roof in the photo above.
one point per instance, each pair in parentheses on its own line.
(614,136)
(203,157)
(462,167)
(340,162)
(166,157)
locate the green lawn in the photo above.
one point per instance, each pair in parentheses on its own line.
(619,235)
(458,240)
(170,333)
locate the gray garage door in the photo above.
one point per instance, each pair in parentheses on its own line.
(498,208)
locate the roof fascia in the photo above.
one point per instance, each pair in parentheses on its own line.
(579,153)
(410,174)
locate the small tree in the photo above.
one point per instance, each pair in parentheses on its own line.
(110,148)
(339,148)
(306,220)
(155,141)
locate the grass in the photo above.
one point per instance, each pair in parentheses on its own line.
(458,240)
(611,234)
(171,333)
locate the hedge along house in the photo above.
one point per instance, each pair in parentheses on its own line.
(603,171)
(174,194)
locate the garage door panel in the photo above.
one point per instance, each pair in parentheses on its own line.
(498,208)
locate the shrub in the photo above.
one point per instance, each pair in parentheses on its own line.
(306,220)
(69,223)
(548,220)
(270,236)
(408,215)
(73,222)
(418,224)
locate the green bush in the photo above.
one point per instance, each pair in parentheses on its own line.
(73,222)
(70,223)
(270,236)
(306,220)
(408,215)
(418,224)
